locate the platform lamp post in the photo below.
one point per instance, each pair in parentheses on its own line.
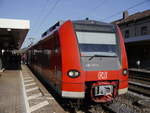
(138,64)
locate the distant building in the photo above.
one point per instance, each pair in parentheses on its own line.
(136,31)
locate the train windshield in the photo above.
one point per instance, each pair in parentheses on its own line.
(97,43)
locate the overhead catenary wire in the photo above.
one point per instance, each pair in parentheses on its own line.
(48,13)
(45,17)
(35,25)
(138,4)
(100,3)
(39,16)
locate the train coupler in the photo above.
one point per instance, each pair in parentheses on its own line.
(103,91)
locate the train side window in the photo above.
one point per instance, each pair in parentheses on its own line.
(46,59)
(127,34)
(144,30)
(56,43)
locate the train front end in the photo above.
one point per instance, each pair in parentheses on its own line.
(94,62)
(103,59)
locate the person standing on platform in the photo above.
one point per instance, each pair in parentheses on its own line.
(1,62)
(24,58)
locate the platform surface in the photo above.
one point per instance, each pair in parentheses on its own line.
(21,92)
(11,95)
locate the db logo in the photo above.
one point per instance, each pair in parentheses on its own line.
(102,75)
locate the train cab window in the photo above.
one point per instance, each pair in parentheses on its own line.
(97,43)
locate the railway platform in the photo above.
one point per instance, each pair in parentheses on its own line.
(21,92)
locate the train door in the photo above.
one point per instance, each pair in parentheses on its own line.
(57,63)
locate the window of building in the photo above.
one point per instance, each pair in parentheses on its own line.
(127,34)
(144,30)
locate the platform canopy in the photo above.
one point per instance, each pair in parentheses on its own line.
(13,33)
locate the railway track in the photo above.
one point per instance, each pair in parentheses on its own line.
(139,82)
(140,78)
(139,88)
(115,107)
(139,75)
(118,108)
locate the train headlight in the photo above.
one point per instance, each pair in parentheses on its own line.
(73,73)
(125,72)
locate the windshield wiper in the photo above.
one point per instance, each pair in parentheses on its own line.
(100,56)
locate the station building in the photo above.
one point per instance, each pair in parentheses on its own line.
(136,31)
(12,35)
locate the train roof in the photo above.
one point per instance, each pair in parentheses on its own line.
(80,25)
(52,28)
(92,22)
(92,25)
(78,22)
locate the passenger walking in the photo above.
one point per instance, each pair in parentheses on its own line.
(24,58)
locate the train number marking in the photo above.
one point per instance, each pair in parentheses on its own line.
(102,75)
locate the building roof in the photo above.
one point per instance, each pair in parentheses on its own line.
(137,39)
(13,33)
(133,17)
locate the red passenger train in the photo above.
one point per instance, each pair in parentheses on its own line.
(82,58)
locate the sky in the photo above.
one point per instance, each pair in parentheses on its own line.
(45,13)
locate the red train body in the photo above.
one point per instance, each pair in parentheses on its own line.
(82,58)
